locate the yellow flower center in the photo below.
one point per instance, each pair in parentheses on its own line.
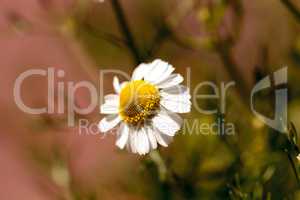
(139,100)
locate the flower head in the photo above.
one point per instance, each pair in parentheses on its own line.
(144,109)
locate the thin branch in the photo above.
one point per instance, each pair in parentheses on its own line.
(224,49)
(163,33)
(113,39)
(291,7)
(124,28)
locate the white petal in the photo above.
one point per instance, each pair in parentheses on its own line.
(152,138)
(111,97)
(160,70)
(184,96)
(177,106)
(176,103)
(109,122)
(167,123)
(116,84)
(141,71)
(124,134)
(159,138)
(109,107)
(174,116)
(132,141)
(172,80)
(176,90)
(167,139)
(142,142)
(176,99)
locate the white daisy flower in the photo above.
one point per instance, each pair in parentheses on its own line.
(144,109)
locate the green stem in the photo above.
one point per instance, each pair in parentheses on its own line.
(160,163)
(124,28)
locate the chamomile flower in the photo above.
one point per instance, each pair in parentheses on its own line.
(144,109)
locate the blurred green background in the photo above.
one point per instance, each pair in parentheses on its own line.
(219,40)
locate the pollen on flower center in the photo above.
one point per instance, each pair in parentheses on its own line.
(139,100)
